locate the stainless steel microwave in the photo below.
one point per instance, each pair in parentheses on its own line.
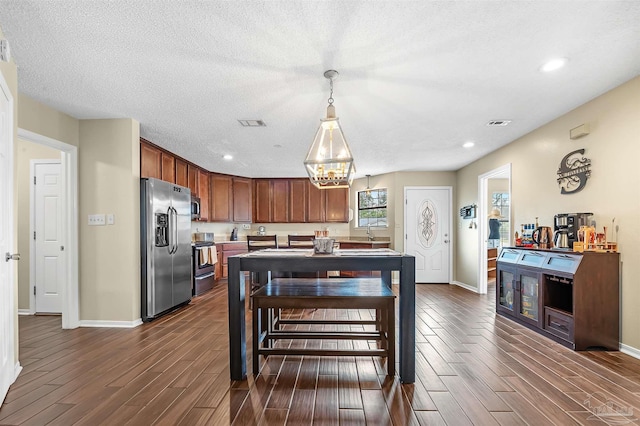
(195,208)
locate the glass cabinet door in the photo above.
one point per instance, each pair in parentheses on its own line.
(505,289)
(529,296)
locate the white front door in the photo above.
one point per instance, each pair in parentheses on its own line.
(427,223)
(7,244)
(49,253)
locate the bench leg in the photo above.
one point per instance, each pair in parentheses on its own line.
(391,338)
(255,321)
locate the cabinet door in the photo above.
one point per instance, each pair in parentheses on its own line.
(528,306)
(298,200)
(262,200)
(150,161)
(505,289)
(168,167)
(316,202)
(280,200)
(221,198)
(241,199)
(203,193)
(182,177)
(192,179)
(337,208)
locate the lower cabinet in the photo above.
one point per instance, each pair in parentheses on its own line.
(226,249)
(572,298)
(361,245)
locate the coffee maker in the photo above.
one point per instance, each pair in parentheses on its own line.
(568,224)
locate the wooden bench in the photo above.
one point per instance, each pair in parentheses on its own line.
(324,293)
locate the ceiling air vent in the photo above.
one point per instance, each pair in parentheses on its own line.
(252,123)
(498,123)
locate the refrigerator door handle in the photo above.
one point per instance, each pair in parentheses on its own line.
(174,230)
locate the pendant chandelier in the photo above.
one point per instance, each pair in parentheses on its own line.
(329,162)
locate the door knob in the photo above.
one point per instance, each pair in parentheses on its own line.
(446,241)
(8,256)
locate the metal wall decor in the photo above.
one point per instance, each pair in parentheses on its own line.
(427,228)
(573,172)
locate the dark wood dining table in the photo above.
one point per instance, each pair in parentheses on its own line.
(264,262)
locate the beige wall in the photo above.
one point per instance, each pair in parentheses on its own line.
(109,170)
(612,191)
(395,184)
(10,75)
(46,121)
(25,152)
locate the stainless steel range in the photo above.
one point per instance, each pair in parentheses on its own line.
(204,259)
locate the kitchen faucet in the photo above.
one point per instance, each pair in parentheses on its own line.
(369,234)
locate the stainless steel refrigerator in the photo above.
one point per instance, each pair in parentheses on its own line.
(165,247)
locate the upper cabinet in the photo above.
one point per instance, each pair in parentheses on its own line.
(271,200)
(298,201)
(221,198)
(241,199)
(225,198)
(150,161)
(204,194)
(337,205)
(182,175)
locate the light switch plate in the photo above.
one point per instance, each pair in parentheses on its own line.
(246,226)
(96,220)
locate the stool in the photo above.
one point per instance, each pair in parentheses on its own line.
(323,293)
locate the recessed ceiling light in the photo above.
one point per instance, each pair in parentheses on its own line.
(468,144)
(553,64)
(228,157)
(277,145)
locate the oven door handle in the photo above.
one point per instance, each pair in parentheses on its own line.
(199,277)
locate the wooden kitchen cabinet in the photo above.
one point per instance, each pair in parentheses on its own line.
(316,202)
(337,205)
(182,176)
(298,200)
(241,199)
(150,161)
(262,201)
(221,198)
(192,179)
(168,167)
(204,194)
(271,200)
(230,248)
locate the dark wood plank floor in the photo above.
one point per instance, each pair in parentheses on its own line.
(472,368)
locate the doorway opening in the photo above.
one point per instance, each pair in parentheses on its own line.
(494,195)
(69,182)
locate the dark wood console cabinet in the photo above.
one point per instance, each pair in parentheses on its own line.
(572,298)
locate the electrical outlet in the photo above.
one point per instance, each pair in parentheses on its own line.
(246,226)
(111,219)
(96,220)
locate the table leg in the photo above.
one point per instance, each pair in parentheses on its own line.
(407,320)
(237,332)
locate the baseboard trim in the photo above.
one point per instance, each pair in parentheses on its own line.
(25,312)
(16,370)
(111,324)
(630,350)
(465,286)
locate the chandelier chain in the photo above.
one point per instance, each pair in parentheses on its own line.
(331,94)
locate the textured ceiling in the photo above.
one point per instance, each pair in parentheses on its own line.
(417,78)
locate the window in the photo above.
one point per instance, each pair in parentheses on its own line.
(372,208)
(500,201)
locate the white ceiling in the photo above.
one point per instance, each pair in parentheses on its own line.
(417,78)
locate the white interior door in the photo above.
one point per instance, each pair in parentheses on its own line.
(427,222)
(49,247)
(7,244)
